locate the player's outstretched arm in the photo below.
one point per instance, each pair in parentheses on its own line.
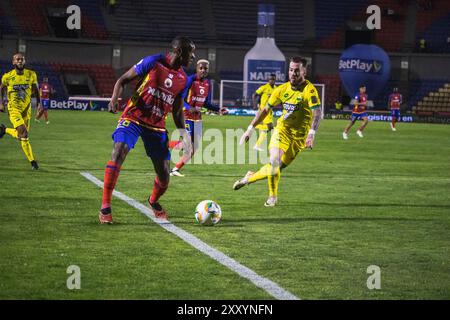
(256,99)
(259,117)
(317,115)
(36,93)
(127,77)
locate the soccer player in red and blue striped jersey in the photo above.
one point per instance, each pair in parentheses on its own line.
(160,92)
(359,112)
(197,95)
(395,100)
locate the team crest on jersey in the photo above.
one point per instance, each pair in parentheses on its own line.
(168,82)
(202,91)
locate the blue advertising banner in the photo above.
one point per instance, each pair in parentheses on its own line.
(82,104)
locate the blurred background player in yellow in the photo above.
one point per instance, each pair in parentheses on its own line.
(295,129)
(20,84)
(260,98)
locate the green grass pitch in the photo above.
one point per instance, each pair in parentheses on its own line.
(383,200)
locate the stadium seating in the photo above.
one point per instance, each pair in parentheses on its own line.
(31,16)
(139,20)
(390,36)
(332,88)
(5,25)
(236,21)
(330,24)
(436,100)
(42,69)
(433,25)
(92,24)
(103,76)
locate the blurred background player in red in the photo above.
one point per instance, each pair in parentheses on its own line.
(46,90)
(197,95)
(160,92)
(395,100)
(359,112)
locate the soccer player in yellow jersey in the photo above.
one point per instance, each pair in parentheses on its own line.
(295,128)
(20,84)
(260,98)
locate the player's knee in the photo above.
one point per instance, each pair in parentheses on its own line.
(119,153)
(275,161)
(164,179)
(22,134)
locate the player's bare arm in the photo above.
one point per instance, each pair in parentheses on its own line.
(36,93)
(317,115)
(178,119)
(256,100)
(127,77)
(259,117)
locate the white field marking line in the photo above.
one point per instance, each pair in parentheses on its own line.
(267,285)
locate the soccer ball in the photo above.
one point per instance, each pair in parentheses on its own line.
(208,212)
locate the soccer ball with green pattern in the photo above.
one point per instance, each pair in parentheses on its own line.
(208,212)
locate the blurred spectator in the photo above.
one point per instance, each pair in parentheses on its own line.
(422,45)
(112,6)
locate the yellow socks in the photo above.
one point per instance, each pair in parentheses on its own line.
(12,132)
(26,146)
(273,176)
(273,180)
(262,173)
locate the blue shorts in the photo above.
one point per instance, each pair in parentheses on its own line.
(45,103)
(156,143)
(395,113)
(358,116)
(195,129)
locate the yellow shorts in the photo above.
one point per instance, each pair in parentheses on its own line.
(290,144)
(19,116)
(267,120)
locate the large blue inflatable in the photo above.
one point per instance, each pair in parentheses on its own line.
(364,64)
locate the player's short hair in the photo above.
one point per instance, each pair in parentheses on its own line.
(298,59)
(18,53)
(204,61)
(182,42)
(272,75)
(362,86)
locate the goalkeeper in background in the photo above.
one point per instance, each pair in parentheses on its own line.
(294,131)
(260,98)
